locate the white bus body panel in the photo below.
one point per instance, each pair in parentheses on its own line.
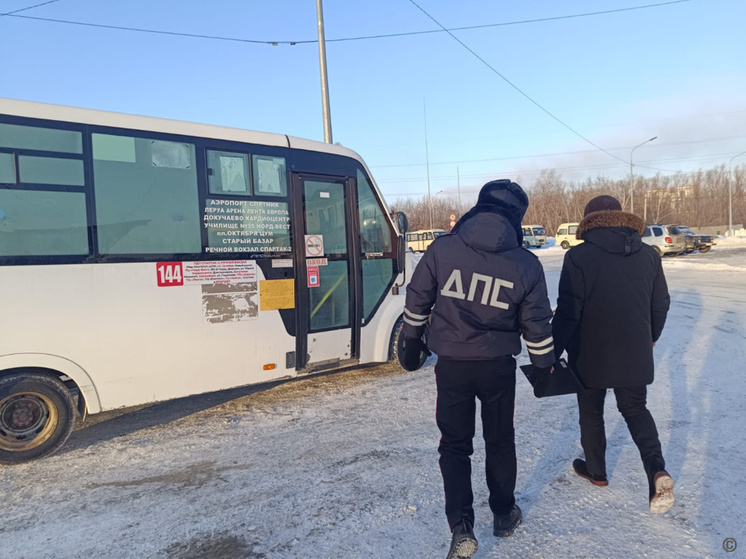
(140,342)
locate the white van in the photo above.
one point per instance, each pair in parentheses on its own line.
(565,236)
(534,236)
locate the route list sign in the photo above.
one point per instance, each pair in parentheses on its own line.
(247,226)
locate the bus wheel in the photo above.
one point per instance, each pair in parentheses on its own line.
(37,415)
(565,245)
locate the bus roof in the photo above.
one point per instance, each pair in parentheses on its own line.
(31,109)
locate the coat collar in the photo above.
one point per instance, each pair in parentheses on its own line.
(610,218)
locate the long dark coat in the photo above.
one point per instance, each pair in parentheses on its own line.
(612,304)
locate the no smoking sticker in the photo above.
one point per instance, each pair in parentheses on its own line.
(314,246)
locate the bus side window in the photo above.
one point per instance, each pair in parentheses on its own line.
(562,232)
(375,235)
(38,217)
(146,196)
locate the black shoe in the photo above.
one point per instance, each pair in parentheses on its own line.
(506,524)
(463,542)
(581,469)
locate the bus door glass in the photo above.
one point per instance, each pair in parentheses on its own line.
(327,313)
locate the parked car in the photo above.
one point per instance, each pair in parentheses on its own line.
(695,241)
(565,236)
(664,239)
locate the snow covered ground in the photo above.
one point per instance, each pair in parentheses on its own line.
(345,465)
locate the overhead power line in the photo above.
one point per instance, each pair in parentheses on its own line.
(29,8)
(518,89)
(339,39)
(552,154)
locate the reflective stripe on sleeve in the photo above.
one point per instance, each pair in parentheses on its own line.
(417,316)
(549,340)
(415,322)
(537,351)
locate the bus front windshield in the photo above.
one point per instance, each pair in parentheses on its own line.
(539,231)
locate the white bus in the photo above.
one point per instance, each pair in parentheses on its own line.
(144,259)
(418,241)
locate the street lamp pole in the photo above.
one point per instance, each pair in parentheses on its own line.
(730,194)
(632,175)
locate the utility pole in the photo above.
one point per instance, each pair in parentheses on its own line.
(427,166)
(324,79)
(730,193)
(458,183)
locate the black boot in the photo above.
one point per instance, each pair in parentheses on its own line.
(581,469)
(463,542)
(506,524)
(661,492)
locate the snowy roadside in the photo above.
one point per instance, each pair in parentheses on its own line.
(345,465)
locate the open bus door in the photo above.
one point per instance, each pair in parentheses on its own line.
(327,285)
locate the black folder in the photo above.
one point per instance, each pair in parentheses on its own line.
(562,381)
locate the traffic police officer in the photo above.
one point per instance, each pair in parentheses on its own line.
(479,290)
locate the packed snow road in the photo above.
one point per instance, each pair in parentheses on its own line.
(345,465)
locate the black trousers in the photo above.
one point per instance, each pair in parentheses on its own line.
(631,402)
(459,384)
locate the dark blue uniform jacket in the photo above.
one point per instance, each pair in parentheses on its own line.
(480,291)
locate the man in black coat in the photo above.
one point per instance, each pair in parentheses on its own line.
(612,305)
(479,290)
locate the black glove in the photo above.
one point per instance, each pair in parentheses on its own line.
(540,380)
(411,356)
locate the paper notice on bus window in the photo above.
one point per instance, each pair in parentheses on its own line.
(173,155)
(269,172)
(276,294)
(232,176)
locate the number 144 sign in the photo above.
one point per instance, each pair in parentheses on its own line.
(169,273)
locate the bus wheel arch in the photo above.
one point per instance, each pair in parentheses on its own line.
(37,414)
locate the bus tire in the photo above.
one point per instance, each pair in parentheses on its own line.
(565,245)
(704,249)
(394,341)
(37,415)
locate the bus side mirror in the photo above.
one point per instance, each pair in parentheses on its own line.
(400,218)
